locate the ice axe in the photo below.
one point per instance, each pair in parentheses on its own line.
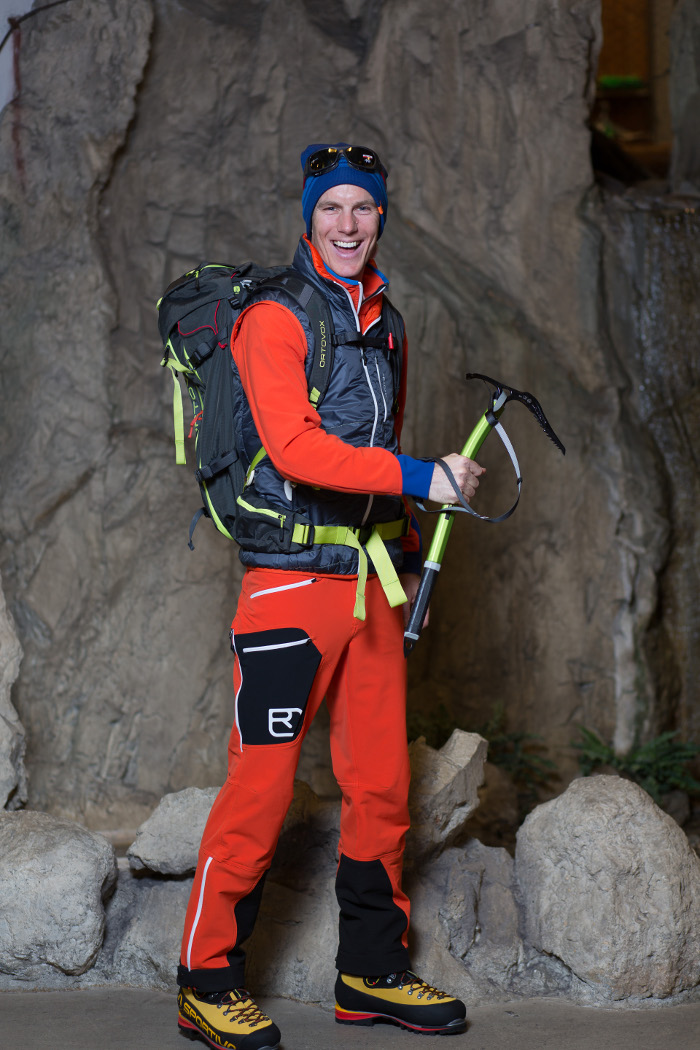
(499,398)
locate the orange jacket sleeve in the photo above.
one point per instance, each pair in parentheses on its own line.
(269,347)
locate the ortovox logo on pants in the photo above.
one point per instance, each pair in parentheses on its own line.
(277,671)
(282,716)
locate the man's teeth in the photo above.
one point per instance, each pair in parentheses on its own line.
(346,244)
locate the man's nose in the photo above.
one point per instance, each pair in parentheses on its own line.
(347,221)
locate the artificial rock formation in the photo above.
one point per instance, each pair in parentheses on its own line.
(685,97)
(168,842)
(611,888)
(600,906)
(294,944)
(444,791)
(54,876)
(125,690)
(13,778)
(149,135)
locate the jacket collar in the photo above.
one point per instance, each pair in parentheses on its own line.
(309,262)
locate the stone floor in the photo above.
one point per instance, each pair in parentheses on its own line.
(116,1019)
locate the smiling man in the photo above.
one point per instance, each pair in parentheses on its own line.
(345,230)
(321,617)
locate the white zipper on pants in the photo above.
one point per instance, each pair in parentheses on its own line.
(280,645)
(285,587)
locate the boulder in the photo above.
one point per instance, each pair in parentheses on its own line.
(464,920)
(148,916)
(292,950)
(168,841)
(54,876)
(13,777)
(444,791)
(611,887)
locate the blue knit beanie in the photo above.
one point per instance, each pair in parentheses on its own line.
(316,185)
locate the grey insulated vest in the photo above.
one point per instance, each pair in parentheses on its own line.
(359,407)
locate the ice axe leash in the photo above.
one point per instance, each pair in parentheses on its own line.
(499,398)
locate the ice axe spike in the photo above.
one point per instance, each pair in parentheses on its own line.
(489,421)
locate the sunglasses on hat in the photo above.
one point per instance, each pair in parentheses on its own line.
(358,157)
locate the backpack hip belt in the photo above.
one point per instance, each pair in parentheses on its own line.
(367,541)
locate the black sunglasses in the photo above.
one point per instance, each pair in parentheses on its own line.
(357,157)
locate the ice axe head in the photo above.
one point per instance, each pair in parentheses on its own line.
(502,393)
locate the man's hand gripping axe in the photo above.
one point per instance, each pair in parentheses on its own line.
(500,396)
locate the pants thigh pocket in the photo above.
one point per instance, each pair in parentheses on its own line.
(277,668)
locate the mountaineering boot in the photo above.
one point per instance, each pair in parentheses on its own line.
(399,998)
(226,1019)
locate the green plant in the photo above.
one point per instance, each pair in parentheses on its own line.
(659,766)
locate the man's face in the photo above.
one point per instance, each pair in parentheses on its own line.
(345,229)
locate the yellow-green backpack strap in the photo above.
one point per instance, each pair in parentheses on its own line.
(260,454)
(178,414)
(385,569)
(344,536)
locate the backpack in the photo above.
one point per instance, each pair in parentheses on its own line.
(196,316)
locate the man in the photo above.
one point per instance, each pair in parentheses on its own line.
(321,620)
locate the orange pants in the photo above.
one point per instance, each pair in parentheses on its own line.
(296,641)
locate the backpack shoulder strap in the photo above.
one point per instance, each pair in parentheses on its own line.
(317,310)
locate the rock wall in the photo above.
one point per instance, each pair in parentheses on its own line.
(152,134)
(685,97)
(650,281)
(90,551)
(13,776)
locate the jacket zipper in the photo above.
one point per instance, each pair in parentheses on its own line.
(370,500)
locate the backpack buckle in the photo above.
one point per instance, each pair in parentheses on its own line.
(303,534)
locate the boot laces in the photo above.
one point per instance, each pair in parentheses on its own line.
(417,984)
(245,1009)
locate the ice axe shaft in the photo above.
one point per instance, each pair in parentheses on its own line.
(499,398)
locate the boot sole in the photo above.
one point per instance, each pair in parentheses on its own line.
(368,1019)
(191,1031)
